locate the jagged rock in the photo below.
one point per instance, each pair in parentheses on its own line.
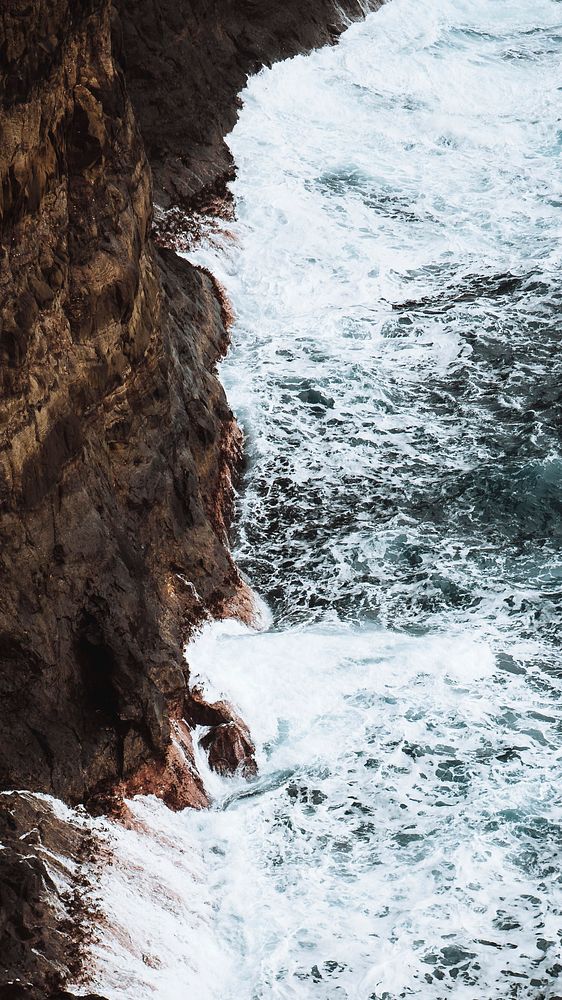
(228,743)
(230,749)
(43,909)
(18,991)
(174,778)
(199,712)
(174,50)
(117,445)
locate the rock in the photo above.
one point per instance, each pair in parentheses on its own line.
(17,991)
(173,778)
(199,712)
(118,449)
(217,46)
(228,743)
(117,446)
(43,914)
(230,749)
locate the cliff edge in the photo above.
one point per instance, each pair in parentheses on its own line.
(117,445)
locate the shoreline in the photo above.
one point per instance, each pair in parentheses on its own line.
(123,475)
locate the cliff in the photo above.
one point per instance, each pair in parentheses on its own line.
(117,445)
(187,62)
(116,441)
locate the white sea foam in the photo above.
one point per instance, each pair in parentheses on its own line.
(403,826)
(396,367)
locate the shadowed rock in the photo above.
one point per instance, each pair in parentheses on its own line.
(117,446)
(230,749)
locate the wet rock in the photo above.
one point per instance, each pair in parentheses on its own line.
(174,777)
(199,712)
(228,743)
(18,991)
(44,903)
(316,398)
(230,749)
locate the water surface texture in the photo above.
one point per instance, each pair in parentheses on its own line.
(396,367)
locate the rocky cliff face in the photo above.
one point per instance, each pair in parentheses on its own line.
(117,445)
(186,63)
(116,441)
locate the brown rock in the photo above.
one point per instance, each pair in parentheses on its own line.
(174,779)
(228,743)
(199,712)
(117,446)
(44,927)
(230,749)
(174,50)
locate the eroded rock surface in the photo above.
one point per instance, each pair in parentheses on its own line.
(44,925)
(116,441)
(228,742)
(117,445)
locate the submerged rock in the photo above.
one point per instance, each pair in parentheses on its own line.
(317,398)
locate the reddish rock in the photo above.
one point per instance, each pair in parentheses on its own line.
(230,749)
(199,712)
(228,743)
(174,779)
(117,445)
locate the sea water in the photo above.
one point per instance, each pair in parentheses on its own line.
(396,368)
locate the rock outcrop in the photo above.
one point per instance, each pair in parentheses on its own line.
(117,446)
(43,923)
(228,742)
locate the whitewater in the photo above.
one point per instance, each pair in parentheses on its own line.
(394,268)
